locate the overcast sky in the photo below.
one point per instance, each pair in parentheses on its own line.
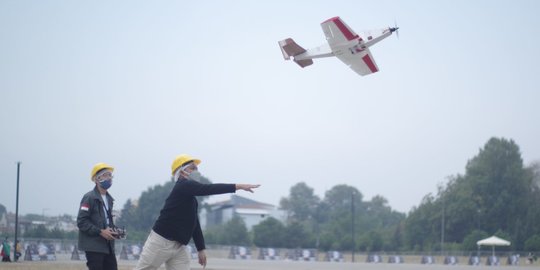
(135,83)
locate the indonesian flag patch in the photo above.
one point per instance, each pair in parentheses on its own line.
(85,206)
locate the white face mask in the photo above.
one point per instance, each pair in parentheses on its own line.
(195,176)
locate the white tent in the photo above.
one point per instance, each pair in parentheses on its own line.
(493,241)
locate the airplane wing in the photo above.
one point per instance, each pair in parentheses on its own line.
(339,36)
(338,32)
(361,62)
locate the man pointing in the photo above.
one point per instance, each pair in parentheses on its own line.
(178,220)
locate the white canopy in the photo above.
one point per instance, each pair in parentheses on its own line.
(493,241)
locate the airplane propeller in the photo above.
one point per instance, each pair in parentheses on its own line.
(395,29)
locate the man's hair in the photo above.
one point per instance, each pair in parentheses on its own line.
(187,163)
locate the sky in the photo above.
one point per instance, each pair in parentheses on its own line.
(135,83)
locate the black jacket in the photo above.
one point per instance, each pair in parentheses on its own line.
(91,220)
(179,220)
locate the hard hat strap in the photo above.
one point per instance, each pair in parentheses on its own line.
(177,174)
(182,169)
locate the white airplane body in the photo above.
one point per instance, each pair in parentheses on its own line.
(343,43)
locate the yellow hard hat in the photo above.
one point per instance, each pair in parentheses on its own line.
(98,167)
(181,160)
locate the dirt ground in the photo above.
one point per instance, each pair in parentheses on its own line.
(227,264)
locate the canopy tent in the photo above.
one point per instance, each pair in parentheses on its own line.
(493,241)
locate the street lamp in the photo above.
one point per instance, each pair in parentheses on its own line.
(442,225)
(352,224)
(17,212)
(441,192)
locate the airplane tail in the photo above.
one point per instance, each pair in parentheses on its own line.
(289,49)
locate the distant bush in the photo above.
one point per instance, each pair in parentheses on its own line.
(533,243)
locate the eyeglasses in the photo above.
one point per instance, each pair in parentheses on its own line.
(191,166)
(104,176)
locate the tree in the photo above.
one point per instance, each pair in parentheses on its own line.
(236,232)
(381,220)
(373,241)
(215,234)
(39,232)
(336,231)
(301,203)
(500,181)
(421,225)
(493,195)
(56,233)
(469,243)
(149,206)
(297,236)
(533,243)
(530,222)
(327,224)
(304,216)
(127,214)
(338,198)
(269,233)
(139,215)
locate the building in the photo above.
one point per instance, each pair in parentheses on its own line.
(29,222)
(252,212)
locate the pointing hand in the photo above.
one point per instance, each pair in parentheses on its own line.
(246,187)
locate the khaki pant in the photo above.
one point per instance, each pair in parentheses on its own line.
(158,250)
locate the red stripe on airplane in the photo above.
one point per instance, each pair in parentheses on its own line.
(331,19)
(369,63)
(348,34)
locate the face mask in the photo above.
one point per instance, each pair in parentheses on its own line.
(195,176)
(105,184)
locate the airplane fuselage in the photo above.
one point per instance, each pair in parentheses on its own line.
(351,47)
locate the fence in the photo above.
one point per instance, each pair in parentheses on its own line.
(62,249)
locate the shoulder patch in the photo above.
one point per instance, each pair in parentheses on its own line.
(85,206)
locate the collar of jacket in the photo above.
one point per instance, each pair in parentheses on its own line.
(97,196)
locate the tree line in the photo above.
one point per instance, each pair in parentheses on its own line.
(496,195)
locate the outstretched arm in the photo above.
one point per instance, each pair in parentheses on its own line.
(246,187)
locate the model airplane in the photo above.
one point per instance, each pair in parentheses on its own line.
(343,43)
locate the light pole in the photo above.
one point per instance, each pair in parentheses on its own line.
(17,212)
(442,226)
(352,224)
